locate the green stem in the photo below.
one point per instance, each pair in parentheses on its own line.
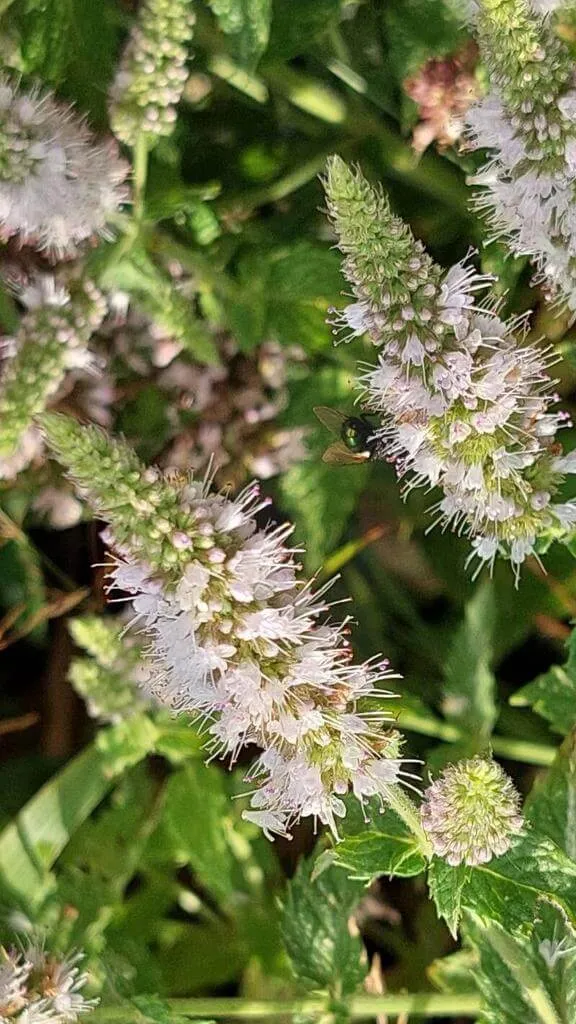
(425,1004)
(406,809)
(539,754)
(141,151)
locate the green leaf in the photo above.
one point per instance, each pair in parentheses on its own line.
(553,695)
(30,844)
(248,23)
(446,885)
(526,978)
(198,814)
(303,282)
(318,497)
(388,849)
(470,686)
(159,1011)
(323,952)
(22,584)
(296,26)
(508,887)
(455,973)
(71,45)
(551,804)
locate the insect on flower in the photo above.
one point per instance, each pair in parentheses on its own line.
(356,441)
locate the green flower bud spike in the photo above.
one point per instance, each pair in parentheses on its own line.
(152,74)
(143,510)
(52,339)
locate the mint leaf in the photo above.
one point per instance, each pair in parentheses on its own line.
(323,951)
(247,22)
(551,805)
(528,976)
(196,812)
(388,849)
(508,887)
(553,695)
(470,685)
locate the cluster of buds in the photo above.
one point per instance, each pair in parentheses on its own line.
(235,637)
(152,74)
(471,813)
(221,414)
(52,339)
(106,677)
(234,407)
(58,185)
(443,89)
(528,123)
(38,988)
(464,403)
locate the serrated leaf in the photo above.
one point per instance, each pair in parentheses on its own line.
(508,887)
(455,973)
(551,804)
(553,695)
(248,24)
(388,849)
(197,809)
(506,977)
(323,951)
(71,45)
(528,977)
(303,283)
(446,885)
(470,686)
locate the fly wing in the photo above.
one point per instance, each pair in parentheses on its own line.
(337,454)
(332,419)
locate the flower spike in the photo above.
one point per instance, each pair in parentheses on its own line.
(464,402)
(236,637)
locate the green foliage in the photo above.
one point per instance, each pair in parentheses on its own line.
(526,977)
(387,849)
(133,849)
(307,488)
(553,694)
(508,888)
(324,950)
(551,804)
(247,22)
(469,686)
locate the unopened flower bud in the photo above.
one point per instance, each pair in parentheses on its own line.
(471,813)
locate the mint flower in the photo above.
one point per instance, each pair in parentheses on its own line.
(472,812)
(152,74)
(52,339)
(235,636)
(58,185)
(464,403)
(37,988)
(528,123)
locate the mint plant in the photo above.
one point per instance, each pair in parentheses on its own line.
(287,521)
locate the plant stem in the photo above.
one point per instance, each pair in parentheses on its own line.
(424,1004)
(404,807)
(140,175)
(540,754)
